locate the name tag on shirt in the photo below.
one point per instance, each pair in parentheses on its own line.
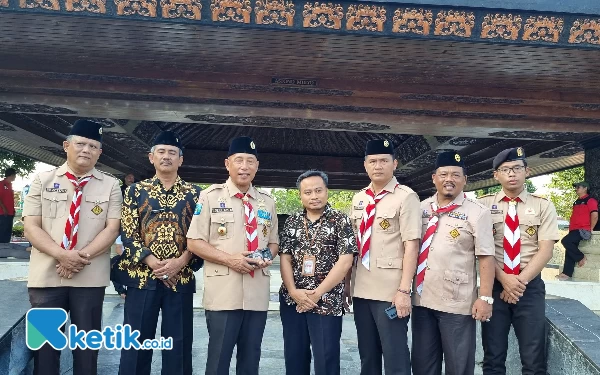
(457,215)
(219,210)
(54,190)
(495,212)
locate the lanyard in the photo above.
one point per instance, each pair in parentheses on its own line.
(308,237)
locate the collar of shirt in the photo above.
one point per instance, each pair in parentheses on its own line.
(156,181)
(523,195)
(63,169)
(324,216)
(233,189)
(390,186)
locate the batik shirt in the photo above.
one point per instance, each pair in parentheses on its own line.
(154,221)
(333,237)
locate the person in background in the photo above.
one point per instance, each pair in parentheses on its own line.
(7,205)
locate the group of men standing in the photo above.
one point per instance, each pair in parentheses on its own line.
(394,258)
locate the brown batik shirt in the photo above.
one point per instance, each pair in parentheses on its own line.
(333,237)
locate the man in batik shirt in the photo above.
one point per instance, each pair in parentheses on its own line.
(156,266)
(317,249)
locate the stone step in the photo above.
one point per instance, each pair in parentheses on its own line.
(587,273)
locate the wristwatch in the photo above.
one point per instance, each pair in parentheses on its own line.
(489,300)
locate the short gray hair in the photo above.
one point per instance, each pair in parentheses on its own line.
(154,147)
(312,173)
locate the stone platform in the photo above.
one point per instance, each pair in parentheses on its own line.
(591,270)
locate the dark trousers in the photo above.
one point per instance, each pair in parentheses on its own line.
(119,288)
(572,252)
(6,225)
(85,308)
(142,308)
(229,328)
(528,320)
(378,335)
(301,331)
(438,336)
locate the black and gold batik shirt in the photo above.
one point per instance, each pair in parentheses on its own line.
(155,221)
(328,238)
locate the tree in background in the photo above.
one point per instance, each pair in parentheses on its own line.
(23,165)
(288,200)
(562,193)
(494,189)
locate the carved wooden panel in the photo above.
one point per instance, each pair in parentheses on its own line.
(231,10)
(501,26)
(189,9)
(454,23)
(44,4)
(93,6)
(365,17)
(546,29)
(412,21)
(278,12)
(146,8)
(585,31)
(323,15)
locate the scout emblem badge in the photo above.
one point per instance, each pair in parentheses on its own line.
(97,210)
(384,224)
(222,229)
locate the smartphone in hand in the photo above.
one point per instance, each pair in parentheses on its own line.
(391,312)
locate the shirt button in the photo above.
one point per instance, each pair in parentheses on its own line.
(54,199)
(390,263)
(216,271)
(428,268)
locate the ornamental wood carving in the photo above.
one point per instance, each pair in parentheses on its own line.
(93,6)
(279,12)
(412,21)
(44,4)
(365,17)
(585,31)
(326,15)
(146,8)
(541,28)
(189,9)
(231,10)
(454,23)
(501,26)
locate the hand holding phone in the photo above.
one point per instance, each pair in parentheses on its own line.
(391,312)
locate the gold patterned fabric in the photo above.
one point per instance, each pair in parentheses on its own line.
(155,221)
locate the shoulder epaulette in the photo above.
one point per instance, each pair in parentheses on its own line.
(214,187)
(538,196)
(487,195)
(261,191)
(106,173)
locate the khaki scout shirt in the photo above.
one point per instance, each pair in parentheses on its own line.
(537,222)
(225,289)
(50,197)
(397,219)
(450,283)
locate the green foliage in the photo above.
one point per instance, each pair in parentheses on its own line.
(494,189)
(288,200)
(562,193)
(23,165)
(18,230)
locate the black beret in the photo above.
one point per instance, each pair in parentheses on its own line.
(87,129)
(449,159)
(168,138)
(379,146)
(510,154)
(242,145)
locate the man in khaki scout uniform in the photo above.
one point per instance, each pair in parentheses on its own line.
(525,230)
(386,217)
(456,231)
(231,221)
(72,217)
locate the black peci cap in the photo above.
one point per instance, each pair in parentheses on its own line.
(510,154)
(168,138)
(379,146)
(449,159)
(242,145)
(87,129)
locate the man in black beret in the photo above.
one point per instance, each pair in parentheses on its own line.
(72,216)
(156,265)
(525,231)
(457,231)
(233,221)
(386,218)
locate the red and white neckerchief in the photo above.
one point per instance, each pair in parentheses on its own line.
(70,237)
(432,224)
(366,225)
(251,224)
(512,238)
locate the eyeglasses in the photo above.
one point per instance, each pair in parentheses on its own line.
(515,169)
